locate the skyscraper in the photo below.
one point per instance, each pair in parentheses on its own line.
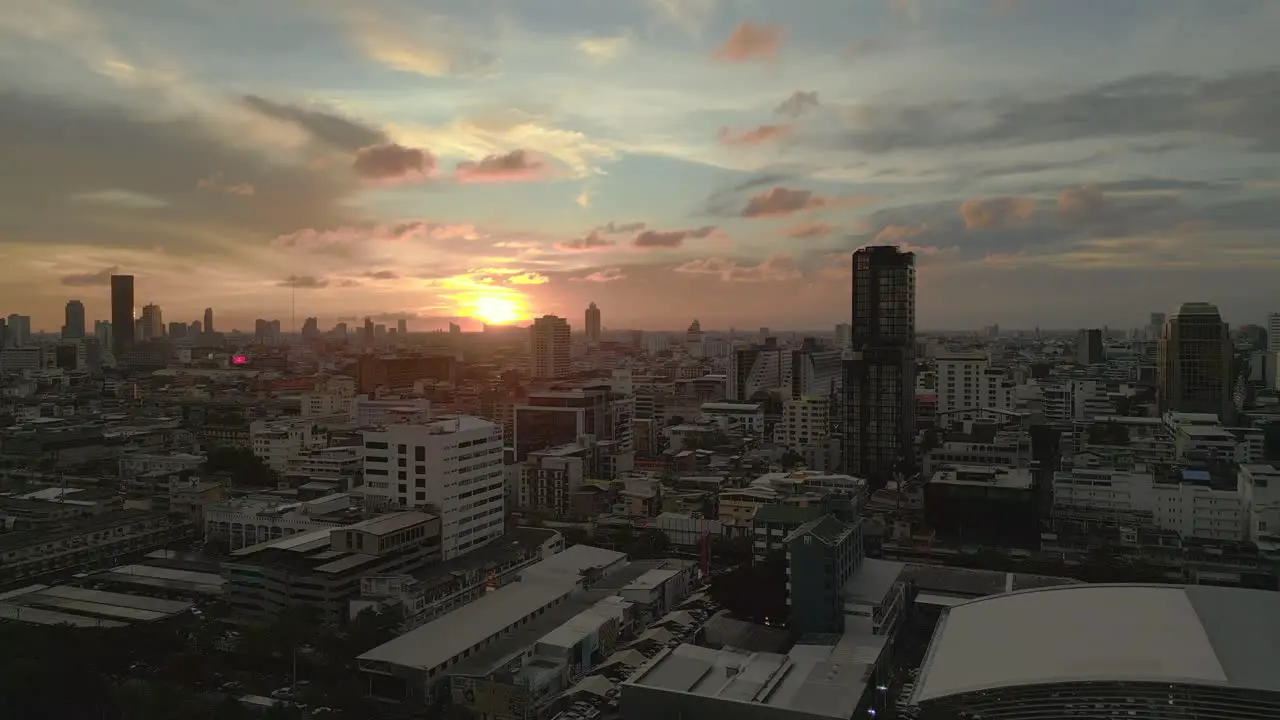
(121,313)
(402,326)
(151,322)
(18,331)
(879,376)
(1195,362)
(208,320)
(593,323)
(73,327)
(1273,332)
(550,347)
(1090,348)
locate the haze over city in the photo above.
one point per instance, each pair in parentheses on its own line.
(1050,163)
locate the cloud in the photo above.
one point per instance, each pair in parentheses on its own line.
(780,201)
(775,268)
(392,162)
(217,183)
(799,102)
(604,49)
(669,238)
(321,124)
(896,234)
(997,213)
(750,41)
(303,282)
(612,228)
(690,15)
(754,136)
(592,241)
(601,276)
(809,230)
(120,198)
(90,279)
(415,41)
(382,275)
(584,198)
(345,237)
(515,166)
(528,278)
(1164,108)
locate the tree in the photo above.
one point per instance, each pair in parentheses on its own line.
(245,467)
(790,459)
(648,544)
(755,593)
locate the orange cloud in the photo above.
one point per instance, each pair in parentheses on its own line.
(894,234)
(997,213)
(310,239)
(528,278)
(593,241)
(754,136)
(515,166)
(750,41)
(775,268)
(780,201)
(391,162)
(650,239)
(601,276)
(809,230)
(1083,203)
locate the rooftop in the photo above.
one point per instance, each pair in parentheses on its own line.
(1198,635)
(94,605)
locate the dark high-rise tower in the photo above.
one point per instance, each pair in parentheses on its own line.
(73,327)
(208,320)
(593,323)
(121,313)
(1195,362)
(879,376)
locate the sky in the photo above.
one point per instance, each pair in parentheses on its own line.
(1052,163)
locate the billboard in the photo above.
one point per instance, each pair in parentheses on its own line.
(239,359)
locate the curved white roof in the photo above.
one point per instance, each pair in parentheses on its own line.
(1194,635)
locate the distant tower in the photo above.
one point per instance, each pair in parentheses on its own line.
(121,313)
(151,322)
(402,326)
(208,320)
(593,323)
(73,329)
(550,347)
(1195,362)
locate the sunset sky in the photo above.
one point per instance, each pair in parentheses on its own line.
(1052,162)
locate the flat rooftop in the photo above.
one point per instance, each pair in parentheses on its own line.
(1170,634)
(91,605)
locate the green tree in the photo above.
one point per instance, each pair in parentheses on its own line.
(245,468)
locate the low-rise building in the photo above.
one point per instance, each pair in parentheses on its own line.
(254,519)
(322,569)
(93,542)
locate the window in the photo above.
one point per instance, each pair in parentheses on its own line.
(420,469)
(420,453)
(374,445)
(402,449)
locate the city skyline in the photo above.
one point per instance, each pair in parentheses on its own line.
(1048,164)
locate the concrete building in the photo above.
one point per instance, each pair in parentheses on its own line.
(1260,490)
(821,556)
(376,412)
(278,443)
(550,342)
(1141,651)
(1090,347)
(73,325)
(322,569)
(88,543)
(744,418)
(251,520)
(330,396)
(453,465)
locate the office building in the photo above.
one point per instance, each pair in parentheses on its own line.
(756,371)
(1090,349)
(208,320)
(549,345)
(879,375)
(1273,332)
(321,569)
(122,329)
(18,330)
(593,323)
(151,323)
(453,466)
(402,327)
(401,372)
(1195,362)
(1138,651)
(73,326)
(967,384)
(559,417)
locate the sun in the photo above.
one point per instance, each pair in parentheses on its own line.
(495,309)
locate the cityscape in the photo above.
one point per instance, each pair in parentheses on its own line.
(648,359)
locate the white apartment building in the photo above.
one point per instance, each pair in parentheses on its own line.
(279,442)
(453,465)
(805,421)
(1260,489)
(1007,449)
(1273,332)
(1066,401)
(1183,503)
(376,412)
(331,464)
(966,381)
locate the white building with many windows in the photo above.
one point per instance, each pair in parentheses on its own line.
(452,464)
(966,381)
